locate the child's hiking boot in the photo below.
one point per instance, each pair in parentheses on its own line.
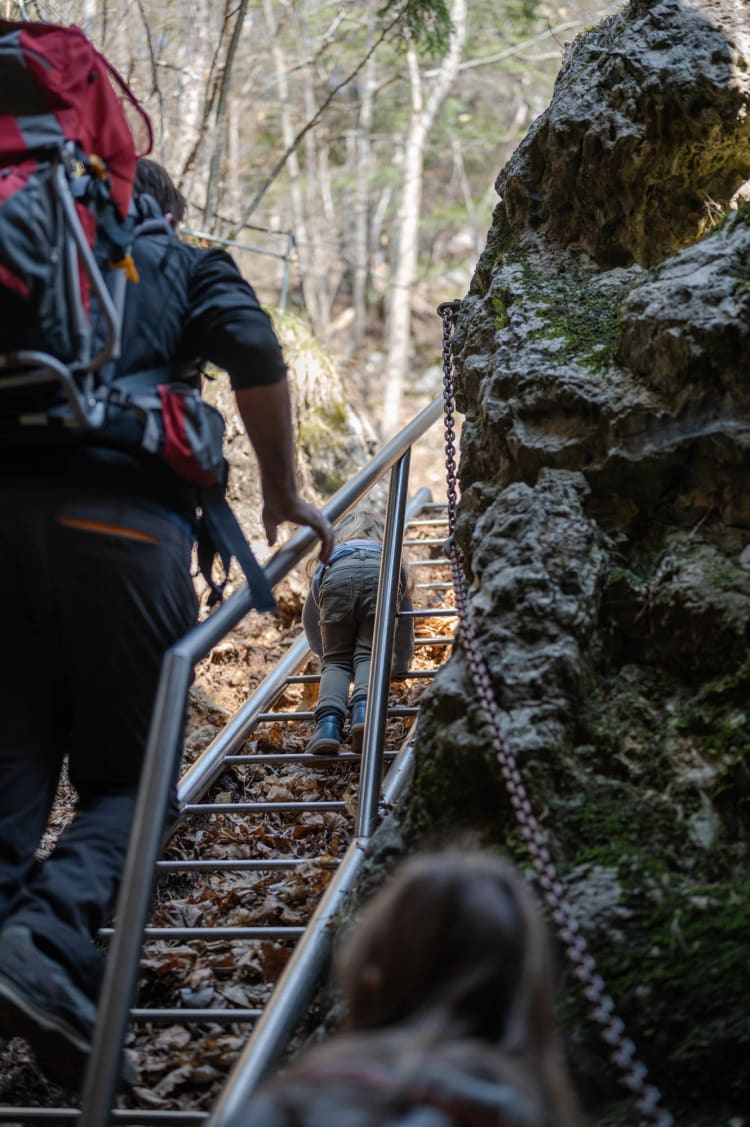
(326,739)
(359,709)
(40,1002)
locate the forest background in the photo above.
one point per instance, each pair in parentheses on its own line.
(354,145)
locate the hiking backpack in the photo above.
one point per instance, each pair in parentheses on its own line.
(67,160)
(70,136)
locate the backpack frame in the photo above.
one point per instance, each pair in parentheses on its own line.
(67,162)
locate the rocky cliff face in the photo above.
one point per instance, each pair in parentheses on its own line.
(603,369)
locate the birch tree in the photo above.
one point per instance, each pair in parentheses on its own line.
(425,104)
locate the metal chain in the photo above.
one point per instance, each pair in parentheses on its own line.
(633,1073)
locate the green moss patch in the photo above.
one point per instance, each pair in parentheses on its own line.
(682,979)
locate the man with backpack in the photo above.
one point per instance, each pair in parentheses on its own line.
(95,551)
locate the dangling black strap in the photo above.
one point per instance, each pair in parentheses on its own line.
(220,535)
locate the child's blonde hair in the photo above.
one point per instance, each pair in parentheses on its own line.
(365,524)
(361,524)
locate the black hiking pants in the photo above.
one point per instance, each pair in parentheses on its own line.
(94,591)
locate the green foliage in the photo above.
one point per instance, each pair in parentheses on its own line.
(501,313)
(426,23)
(682,980)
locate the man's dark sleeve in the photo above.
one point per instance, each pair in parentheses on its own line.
(227,326)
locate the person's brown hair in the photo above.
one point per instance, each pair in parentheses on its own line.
(447,977)
(152,178)
(455,945)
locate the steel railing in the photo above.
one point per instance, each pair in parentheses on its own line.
(163,753)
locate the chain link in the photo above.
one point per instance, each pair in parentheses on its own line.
(622,1053)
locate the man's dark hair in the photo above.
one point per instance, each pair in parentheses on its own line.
(153,178)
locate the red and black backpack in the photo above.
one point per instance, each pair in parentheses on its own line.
(71,133)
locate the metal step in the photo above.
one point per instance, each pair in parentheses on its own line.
(436,562)
(345,758)
(209,934)
(429,612)
(21,1116)
(193,1016)
(258,807)
(242,866)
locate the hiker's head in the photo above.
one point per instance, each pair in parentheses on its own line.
(454,941)
(153,178)
(447,979)
(362,524)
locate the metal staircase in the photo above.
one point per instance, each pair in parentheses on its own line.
(248,775)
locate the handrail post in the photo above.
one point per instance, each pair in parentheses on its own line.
(121,970)
(382,651)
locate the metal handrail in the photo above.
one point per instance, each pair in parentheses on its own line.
(160,768)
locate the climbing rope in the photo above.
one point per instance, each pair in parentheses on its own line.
(622,1051)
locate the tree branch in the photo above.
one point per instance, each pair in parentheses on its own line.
(211,92)
(216,155)
(550,33)
(306,129)
(155,87)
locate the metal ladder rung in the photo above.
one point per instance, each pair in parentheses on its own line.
(418,674)
(257,807)
(58,1115)
(438,585)
(345,757)
(221,1017)
(160,1118)
(436,562)
(426,542)
(209,934)
(241,866)
(440,640)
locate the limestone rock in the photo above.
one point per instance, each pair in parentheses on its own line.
(603,369)
(647,137)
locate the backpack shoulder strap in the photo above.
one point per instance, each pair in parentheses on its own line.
(219,534)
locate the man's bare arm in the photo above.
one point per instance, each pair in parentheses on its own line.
(267,414)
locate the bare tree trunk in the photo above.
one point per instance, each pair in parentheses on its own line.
(361,242)
(199,89)
(318,252)
(89,16)
(214,171)
(233,155)
(405,270)
(299,225)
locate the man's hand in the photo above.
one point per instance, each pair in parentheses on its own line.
(298,512)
